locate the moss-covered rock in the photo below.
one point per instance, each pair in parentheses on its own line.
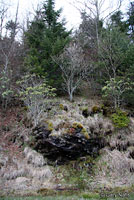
(79,127)
(66,146)
(50,126)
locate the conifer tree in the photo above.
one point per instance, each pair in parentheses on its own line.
(46,37)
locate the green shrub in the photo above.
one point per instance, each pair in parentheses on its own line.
(120,119)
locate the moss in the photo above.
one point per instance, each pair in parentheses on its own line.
(85,133)
(61,106)
(96,109)
(120,119)
(50,125)
(77,125)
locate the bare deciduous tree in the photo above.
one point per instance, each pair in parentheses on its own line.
(94,13)
(9,53)
(3,14)
(74,67)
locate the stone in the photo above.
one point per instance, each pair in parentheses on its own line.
(65,147)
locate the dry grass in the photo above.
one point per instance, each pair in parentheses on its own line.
(29,173)
(114,169)
(34,158)
(95,125)
(14,173)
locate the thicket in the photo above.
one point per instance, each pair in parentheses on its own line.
(98,53)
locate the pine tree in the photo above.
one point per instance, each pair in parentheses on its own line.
(46,37)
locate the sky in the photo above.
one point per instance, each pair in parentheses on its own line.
(70,12)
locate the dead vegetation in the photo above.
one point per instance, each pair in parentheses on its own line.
(28,171)
(115,167)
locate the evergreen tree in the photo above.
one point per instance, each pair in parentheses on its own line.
(130,20)
(46,37)
(117,21)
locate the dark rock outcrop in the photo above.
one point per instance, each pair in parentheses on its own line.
(65,147)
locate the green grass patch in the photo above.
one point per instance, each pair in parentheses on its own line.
(86,196)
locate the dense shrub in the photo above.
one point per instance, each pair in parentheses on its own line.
(120,119)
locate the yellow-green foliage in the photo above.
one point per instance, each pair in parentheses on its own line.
(83,130)
(50,125)
(120,119)
(85,133)
(61,106)
(96,109)
(77,125)
(84,109)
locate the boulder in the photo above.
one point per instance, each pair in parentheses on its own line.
(65,147)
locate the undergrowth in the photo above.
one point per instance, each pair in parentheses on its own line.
(120,119)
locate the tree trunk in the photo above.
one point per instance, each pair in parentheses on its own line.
(71,96)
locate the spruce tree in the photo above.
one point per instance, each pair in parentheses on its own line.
(46,37)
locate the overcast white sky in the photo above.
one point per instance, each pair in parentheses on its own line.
(71,14)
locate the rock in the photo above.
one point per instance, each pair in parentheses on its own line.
(65,147)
